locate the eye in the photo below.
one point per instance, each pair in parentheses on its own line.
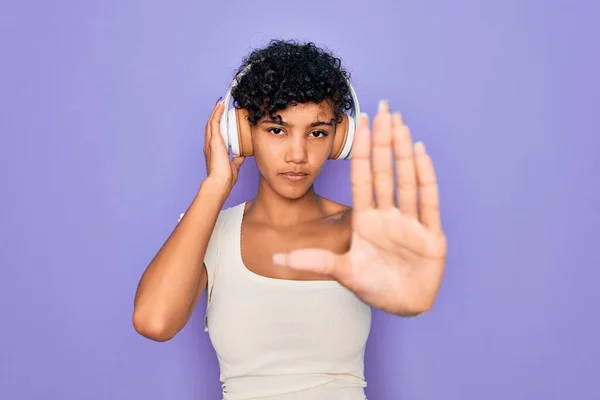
(275,131)
(320,134)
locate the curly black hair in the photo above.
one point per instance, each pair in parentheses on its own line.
(287,72)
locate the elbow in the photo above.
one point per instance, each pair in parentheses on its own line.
(152,328)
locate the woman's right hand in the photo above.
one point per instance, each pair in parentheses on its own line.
(219,168)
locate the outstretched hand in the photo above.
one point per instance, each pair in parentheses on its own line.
(398,249)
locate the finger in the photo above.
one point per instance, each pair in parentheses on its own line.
(311,260)
(429,203)
(406,178)
(383,172)
(207,127)
(215,126)
(237,162)
(360,167)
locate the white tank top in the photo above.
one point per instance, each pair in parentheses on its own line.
(281,339)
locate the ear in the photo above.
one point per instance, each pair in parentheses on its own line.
(243,129)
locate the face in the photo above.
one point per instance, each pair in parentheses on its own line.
(291,151)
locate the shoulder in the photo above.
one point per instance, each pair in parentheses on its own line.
(226,214)
(334,207)
(218,238)
(221,225)
(338,212)
(338,226)
(230,210)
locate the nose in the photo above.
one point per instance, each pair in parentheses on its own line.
(296,151)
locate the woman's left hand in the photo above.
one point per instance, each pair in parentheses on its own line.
(398,249)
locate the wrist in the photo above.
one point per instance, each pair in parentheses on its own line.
(216,188)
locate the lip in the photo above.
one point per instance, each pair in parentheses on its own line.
(294,176)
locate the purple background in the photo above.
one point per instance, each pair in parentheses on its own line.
(102,110)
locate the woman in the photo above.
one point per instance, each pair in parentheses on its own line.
(291,276)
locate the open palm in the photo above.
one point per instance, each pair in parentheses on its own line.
(398,249)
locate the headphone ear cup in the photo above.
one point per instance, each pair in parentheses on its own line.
(223,127)
(344,138)
(341,132)
(346,153)
(244,133)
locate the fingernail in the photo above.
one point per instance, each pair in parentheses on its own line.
(365,116)
(279,259)
(218,100)
(397,118)
(384,105)
(420,147)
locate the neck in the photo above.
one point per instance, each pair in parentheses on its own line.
(275,210)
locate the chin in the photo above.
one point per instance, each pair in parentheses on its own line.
(292,195)
(291,190)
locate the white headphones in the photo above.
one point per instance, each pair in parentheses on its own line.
(236,130)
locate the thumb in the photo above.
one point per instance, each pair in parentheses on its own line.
(311,260)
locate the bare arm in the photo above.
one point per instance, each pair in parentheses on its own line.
(174,280)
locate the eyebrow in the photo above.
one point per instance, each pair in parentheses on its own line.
(283,123)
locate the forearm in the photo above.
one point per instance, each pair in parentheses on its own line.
(174,279)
